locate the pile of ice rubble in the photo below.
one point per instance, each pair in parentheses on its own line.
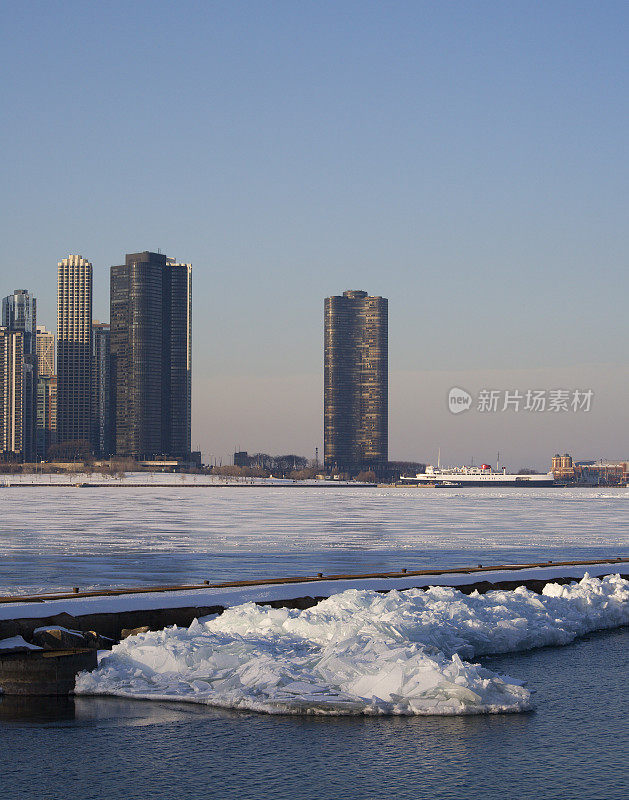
(360,652)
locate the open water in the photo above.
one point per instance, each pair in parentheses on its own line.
(574,745)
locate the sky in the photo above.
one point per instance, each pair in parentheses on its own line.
(465,160)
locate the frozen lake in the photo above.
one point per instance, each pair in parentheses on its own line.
(53,537)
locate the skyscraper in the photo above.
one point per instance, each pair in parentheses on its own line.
(101,396)
(356,382)
(46,421)
(11,395)
(177,386)
(45,351)
(151,337)
(74,356)
(19,313)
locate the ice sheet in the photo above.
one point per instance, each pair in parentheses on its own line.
(64,537)
(360,652)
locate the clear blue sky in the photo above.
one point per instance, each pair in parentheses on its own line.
(465,159)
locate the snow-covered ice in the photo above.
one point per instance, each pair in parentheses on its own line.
(63,537)
(360,652)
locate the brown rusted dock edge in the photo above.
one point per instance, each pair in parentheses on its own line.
(404,573)
(113,623)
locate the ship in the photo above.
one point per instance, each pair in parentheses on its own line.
(477,476)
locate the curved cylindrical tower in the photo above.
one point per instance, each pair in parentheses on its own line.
(356,382)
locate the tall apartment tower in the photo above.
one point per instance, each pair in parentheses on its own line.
(356,382)
(101,392)
(11,395)
(151,338)
(19,313)
(177,387)
(74,351)
(46,422)
(45,351)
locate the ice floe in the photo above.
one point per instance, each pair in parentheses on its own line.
(360,652)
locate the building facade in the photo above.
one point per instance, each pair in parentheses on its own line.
(151,339)
(46,419)
(19,313)
(101,396)
(177,350)
(356,382)
(589,473)
(45,351)
(74,356)
(11,395)
(46,432)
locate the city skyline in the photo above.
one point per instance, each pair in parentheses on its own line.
(465,162)
(389,467)
(456,448)
(121,389)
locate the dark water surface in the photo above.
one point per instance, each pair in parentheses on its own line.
(575,745)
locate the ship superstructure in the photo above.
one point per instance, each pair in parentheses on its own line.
(476,476)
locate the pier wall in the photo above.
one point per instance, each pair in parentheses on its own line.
(109,614)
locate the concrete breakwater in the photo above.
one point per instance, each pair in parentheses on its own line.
(43,672)
(111,613)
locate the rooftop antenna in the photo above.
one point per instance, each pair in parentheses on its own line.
(498,462)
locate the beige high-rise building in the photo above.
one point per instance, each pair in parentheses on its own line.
(45,352)
(74,357)
(19,313)
(11,394)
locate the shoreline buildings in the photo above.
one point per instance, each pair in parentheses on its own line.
(122,389)
(589,473)
(74,357)
(151,356)
(19,316)
(356,382)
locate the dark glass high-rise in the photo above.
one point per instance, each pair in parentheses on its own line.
(101,390)
(151,338)
(356,382)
